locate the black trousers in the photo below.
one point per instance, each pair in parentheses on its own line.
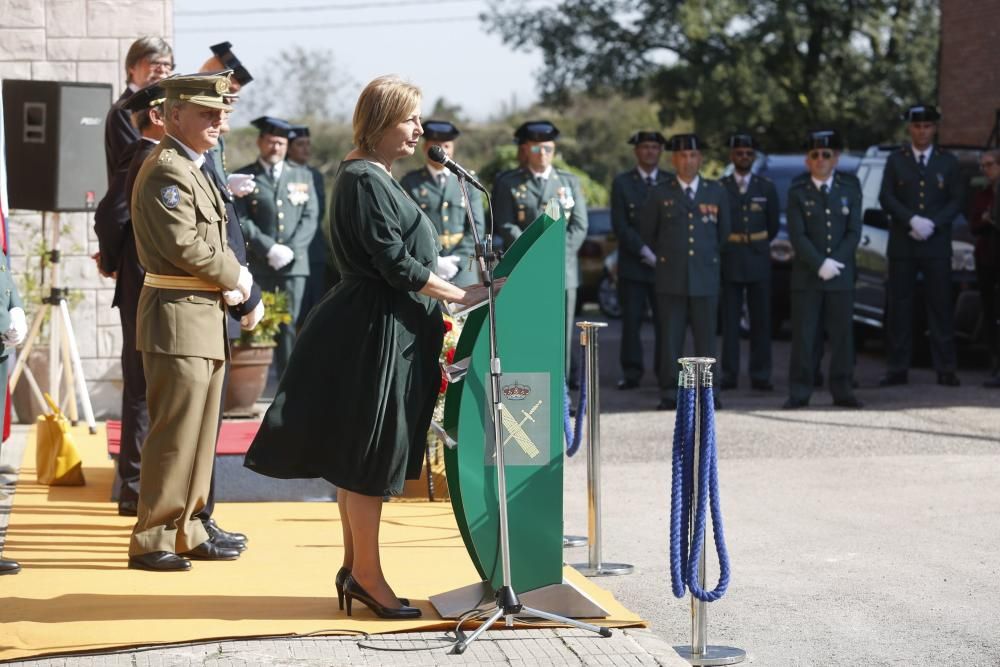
(988,278)
(636,296)
(758,298)
(812,312)
(940,314)
(135,414)
(676,313)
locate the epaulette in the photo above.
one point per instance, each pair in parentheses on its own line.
(763,178)
(799,182)
(166,156)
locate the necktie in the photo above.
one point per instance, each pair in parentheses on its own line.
(922,162)
(824,188)
(442,180)
(539,181)
(650,182)
(689,191)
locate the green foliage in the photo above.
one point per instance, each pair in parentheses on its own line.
(275,314)
(776,67)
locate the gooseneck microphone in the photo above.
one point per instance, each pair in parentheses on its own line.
(437,154)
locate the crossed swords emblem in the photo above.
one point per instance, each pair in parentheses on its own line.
(516,429)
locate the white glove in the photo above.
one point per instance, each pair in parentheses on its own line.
(232,297)
(18,329)
(647,256)
(921,228)
(280,256)
(830,268)
(252,319)
(241,184)
(244,284)
(447,267)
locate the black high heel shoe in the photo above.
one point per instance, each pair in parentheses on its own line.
(342,575)
(352,590)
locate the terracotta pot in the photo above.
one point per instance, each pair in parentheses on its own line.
(247,378)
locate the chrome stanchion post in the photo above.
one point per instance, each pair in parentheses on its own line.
(696,373)
(595,567)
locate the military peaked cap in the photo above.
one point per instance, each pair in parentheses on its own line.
(824,139)
(207,90)
(223,51)
(742,140)
(921,113)
(272,126)
(297,132)
(643,136)
(687,142)
(440,130)
(536,130)
(144,98)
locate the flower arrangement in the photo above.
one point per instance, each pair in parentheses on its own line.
(452,331)
(275,314)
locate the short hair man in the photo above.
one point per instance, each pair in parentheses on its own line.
(824,227)
(437,192)
(922,192)
(685,222)
(636,261)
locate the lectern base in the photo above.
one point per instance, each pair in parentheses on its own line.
(563,599)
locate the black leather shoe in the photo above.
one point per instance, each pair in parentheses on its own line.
(128,508)
(794,404)
(893,379)
(667,404)
(762,385)
(353,591)
(727,384)
(209,551)
(993,382)
(849,402)
(573,385)
(948,379)
(342,575)
(218,535)
(9,566)
(159,561)
(628,384)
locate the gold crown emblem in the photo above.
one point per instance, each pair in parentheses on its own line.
(516,392)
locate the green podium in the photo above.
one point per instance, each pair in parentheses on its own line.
(530,320)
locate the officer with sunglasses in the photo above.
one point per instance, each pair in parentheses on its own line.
(922,192)
(824,227)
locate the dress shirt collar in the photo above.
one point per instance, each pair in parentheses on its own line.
(197,158)
(819,184)
(927,153)
(693,184)
(278,168)
(651,175)
(543,175)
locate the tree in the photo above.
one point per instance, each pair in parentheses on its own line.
(297,84)
(776,67)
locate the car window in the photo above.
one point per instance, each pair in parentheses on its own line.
(871,182)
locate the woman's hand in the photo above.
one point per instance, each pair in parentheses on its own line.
(476,293)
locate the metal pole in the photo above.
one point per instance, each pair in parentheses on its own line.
(595,567)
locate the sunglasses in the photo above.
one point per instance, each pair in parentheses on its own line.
(744,153)
(543,149)
(816,155)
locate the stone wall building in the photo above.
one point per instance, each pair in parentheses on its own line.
(85,41)
(968,79)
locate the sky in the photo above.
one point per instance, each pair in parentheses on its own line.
(440,45)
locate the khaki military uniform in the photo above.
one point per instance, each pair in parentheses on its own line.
(178,217)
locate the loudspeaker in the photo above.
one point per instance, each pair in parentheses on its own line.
(55,144)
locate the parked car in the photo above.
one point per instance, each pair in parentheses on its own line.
(871,294)
(598,264)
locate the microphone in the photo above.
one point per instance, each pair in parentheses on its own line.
(437,154)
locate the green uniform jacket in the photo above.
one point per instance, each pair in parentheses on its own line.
(178,218)
(285,212)
(686,236)
(937,194)
(746,257)
(628,193)
(446,209)
(821,226)
(518,200)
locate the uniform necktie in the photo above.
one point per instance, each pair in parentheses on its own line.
(442,180)
(539,181)
(824,188)
(650,182)
(689,191)
(922,162)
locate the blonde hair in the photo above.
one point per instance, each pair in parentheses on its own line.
(386,101)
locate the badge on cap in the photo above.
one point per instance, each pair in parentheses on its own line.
(170,196)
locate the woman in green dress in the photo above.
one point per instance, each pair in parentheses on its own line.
(355,402)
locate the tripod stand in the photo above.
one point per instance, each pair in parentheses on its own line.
(64,353)
(507,602)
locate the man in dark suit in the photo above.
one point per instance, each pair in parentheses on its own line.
(148,60)
(685,222)
(824,227)
(746,265)
(922,192)
(279,220)
(636,261)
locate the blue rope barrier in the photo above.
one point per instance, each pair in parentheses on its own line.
(574,430)
(684,570)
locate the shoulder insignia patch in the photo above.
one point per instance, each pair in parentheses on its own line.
(167,156)
(170,196)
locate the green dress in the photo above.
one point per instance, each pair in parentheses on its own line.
(355,402)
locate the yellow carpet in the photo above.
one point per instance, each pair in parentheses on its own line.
(76,594)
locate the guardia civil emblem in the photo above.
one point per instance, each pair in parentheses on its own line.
(170,196)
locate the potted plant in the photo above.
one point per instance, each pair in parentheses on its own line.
(252,354)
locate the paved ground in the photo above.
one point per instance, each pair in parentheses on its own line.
(856,537)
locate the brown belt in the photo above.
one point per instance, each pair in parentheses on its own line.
(179,282)
(743,237)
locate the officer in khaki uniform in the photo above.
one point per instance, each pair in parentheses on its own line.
(636,261)
(824,227)
(746,265)
(437,192)
(520,196)
(279,221)
(178,218)
(685,223)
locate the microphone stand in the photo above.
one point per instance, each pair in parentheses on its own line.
(508,604)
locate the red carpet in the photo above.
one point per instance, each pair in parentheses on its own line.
(235,437)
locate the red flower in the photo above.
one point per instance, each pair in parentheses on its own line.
(449,356)
(444,384)
(447,325)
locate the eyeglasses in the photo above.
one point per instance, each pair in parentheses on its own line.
(744,153)
(815,155)
(543,149)
(161,64)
